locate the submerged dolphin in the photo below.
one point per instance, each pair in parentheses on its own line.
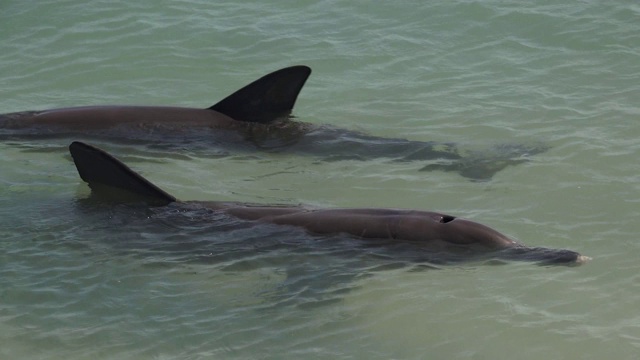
(430,231)
(255,116)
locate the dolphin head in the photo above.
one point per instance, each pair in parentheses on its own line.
(437,229)
(459,231)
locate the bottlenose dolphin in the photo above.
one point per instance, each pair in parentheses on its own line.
(264,100)
(431,231)
(255,117)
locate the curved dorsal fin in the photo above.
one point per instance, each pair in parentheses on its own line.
(97,167)
(266,99)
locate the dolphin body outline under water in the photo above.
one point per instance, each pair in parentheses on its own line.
(254,117)
(428,230)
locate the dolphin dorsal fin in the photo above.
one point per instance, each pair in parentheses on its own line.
(97,167)
(266,99)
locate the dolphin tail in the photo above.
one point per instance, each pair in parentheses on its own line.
(266,99)
(482,165)
(102,171)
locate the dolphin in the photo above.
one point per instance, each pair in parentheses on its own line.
(262,101)
(430,231)
(256,117)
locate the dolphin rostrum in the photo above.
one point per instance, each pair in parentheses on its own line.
(428,230)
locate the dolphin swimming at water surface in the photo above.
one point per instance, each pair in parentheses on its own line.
(264,100)
(429,231)
(256,117)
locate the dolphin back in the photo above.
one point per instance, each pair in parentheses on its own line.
(266,99)
(102,171)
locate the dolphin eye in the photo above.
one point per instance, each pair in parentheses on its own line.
(446,218)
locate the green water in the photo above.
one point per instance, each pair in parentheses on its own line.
(112,283)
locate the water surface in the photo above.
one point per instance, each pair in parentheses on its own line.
(79,280)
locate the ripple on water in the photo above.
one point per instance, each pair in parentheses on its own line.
(78,281)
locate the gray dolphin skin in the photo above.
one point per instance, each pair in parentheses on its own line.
(264,100)
(256,117)
(429,231)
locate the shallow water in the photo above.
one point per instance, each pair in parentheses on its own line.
(81,280)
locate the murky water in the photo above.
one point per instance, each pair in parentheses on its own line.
(81,280)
